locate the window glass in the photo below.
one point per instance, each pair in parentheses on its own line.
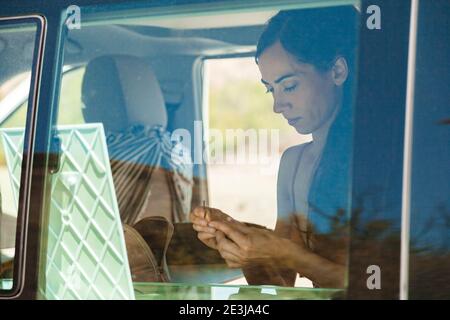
(17,50)
(71,85)
(198,131)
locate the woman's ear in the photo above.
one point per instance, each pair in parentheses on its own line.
(339,71)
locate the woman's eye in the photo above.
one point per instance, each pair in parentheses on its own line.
(290,88)
(269,90)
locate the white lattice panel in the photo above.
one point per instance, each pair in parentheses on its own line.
(86,253)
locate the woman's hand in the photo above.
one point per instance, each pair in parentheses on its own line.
(200,217)
(241,245)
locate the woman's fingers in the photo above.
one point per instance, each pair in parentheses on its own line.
(216,215)
(229,250)
(234,224)
(208,239)
(225,245)
(228,256)
(200,224)
(199,228)
(209,214)
(198,213)
(203,215)
(205,236)
(205,233)
(231,232)
(240,226)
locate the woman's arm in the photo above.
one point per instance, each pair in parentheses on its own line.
(275,262)
(321,271)
(246,247)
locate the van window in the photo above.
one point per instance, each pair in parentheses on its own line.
(193,124)
(18,43)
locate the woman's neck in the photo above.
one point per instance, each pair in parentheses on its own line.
(320,135)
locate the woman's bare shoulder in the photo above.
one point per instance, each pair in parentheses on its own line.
(286,172)
(291,154)
(289,160)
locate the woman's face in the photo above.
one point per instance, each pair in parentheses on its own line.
(305,96)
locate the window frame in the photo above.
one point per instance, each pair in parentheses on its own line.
(380,162)
(203,104)
(20,255)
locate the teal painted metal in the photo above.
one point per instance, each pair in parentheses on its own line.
(86,254)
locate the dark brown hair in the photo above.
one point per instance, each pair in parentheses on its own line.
(315,36)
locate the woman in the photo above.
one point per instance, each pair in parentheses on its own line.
(306,59)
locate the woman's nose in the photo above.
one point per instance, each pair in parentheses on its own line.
(279,106)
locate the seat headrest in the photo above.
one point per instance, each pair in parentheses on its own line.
(121,91)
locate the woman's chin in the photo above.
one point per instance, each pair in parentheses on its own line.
(302,130)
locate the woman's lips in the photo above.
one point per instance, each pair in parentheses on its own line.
(293,120)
